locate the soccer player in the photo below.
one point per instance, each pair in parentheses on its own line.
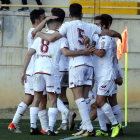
(81,67)
(105,76)
(38,20)
(46,74)
(113,99)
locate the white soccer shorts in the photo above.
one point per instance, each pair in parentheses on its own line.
(106,87)
(80,76)
(64,79)
(50,83)
(29,86)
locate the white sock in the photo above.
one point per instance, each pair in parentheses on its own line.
(83,110)
(33,116)
(88,105)
(64,117)
(107,120)
(102,119)
(61,107)
(117,112)
(22,107)
(109,113)
(43,119)
(52,113)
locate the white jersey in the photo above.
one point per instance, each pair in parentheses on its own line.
(30,40)
(74,31)
(116,65)
(64,63)
(48,55)
(105,65)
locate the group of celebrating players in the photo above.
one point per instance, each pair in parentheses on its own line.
(75,54)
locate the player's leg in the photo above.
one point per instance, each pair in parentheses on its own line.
(63,98)
(53,89)
(116,110)
(52,112)
(104,109)
(22,107)
(43,113)
(39,87)
(77,77)
(26,9)
(93,111)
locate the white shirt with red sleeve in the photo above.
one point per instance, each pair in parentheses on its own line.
(105,65)
(48,55)
(74,31)
(30,40)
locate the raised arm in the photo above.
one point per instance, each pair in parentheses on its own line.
(42,25)
(111,33)
(49,37)
(26,63)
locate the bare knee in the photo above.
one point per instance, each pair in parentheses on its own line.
(112,100)
(28,99)
(53,100)
(43,103)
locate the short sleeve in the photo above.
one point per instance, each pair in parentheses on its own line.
(63,29)
(96,29)
(64,43)
(35,44)
(103,44)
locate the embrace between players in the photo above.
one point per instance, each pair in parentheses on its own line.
(91,49)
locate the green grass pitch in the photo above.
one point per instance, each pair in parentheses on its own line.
(131,132)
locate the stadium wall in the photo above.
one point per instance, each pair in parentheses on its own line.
(13,48)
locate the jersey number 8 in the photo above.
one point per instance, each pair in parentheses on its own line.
(44,47)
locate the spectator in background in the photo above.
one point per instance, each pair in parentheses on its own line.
(26,9)
(5,2)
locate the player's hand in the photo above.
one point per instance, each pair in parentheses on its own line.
(51,17)
(88,50)
(86,40)
(119,81)
(23,78)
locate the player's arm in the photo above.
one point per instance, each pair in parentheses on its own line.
(66,52)
(111,33)
(26,63)
(99,53)
(42,24)
(49,37)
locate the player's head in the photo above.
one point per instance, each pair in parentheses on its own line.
(60,13)
(54,24)
(75,11)
(37,16)
(110,19)
(101,21)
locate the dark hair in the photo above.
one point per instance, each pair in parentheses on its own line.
(35,14)
(75,10)
(104,21)
(110,19)
(60,13)
(51,21)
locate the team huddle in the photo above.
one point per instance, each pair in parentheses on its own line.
(77,55)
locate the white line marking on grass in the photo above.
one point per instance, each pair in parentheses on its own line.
(71,138)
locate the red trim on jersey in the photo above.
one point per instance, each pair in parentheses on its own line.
(29,94)
(42,73)
(87,85)
(28,75)
(49,86)
(102,49)
(65,47)
(50,92)
(84,65)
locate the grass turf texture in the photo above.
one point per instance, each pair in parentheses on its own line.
(131,132)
